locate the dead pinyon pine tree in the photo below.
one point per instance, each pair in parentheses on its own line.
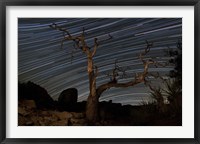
(94,91)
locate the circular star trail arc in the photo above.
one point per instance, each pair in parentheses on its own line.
(42,60)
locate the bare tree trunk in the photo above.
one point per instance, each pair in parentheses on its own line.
(93,100)
(92,114)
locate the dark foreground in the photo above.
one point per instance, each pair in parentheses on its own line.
(111,114)
(37,108)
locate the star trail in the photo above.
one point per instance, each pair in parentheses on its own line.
(42,60)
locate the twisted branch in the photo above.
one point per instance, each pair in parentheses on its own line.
(138,78)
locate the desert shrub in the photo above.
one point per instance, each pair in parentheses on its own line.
(173,92)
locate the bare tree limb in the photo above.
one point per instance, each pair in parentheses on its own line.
(95,46)
(139,78)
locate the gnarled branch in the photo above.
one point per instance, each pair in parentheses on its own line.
(139,78)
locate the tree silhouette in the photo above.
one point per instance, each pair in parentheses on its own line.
(92,70)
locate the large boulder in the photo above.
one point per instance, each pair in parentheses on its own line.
(68,98)
(32,91)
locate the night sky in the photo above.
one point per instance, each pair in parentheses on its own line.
(42,60)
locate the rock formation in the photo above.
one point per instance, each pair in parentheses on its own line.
(32,91)
(68,99)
